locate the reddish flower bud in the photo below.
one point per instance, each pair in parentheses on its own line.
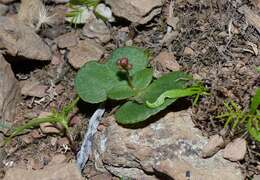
(124,64)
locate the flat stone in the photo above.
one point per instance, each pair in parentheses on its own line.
(3,9)
(48,128)
(9,91)
(58,159)
(164,63)
(256,177)
(33,88)
(6,1)
(86,50)
(188,51)
(103,176)
(64,171)
(97,29)
(137,11)
(180,170)
(174,138)
(235,150)
(67,40)
(215,143)
(18,39)
(28,13)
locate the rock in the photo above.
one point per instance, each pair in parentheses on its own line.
(36,134)
(235,150)
(171,19)
(28,139)
(168,61)
(215,143)
(65,171)
(75,120)
(180,170)
(3,9)
(169,37)
(87,50)
(48,128)
(257,4)
(6,1)
(9,91)
(30,11)
(136,11)
(96,28)
(3,153)
(132,152)
(35,164)
(63,141)
(103,176)
(59,12)
(67,40)
(188,52)
(58,159)
(256,177)
(33,88)
(164,63)
(252,17)
(21,40)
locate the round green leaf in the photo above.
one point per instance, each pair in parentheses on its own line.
(142,78)
(93,81)
(132,112)
(173,80)
(136,56)
(121,91)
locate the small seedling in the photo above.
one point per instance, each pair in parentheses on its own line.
(258,69)
(126,76)
(247,120)
(79,9)
(60,118)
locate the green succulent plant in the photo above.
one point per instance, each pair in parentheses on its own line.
(126,76)
(55,117)
(80,8)
(247,120)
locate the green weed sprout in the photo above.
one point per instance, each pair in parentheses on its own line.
(249,120)
(258,69)
(61,118)
(88,3)
(78,8)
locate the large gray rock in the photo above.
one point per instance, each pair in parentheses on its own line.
(18,39)
(9,91)
(137,11)
(171,146)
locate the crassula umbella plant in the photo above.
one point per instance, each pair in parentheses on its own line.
(126,76)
